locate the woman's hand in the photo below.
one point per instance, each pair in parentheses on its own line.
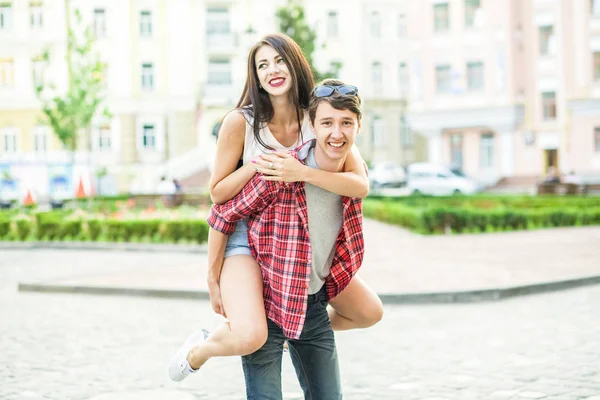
(214,290)
(280,167)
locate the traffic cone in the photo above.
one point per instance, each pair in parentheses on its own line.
(80,191)
(28,199)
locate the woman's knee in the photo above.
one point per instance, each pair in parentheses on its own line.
(252,339)
(371,313)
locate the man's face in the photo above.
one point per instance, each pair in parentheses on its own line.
(335,130)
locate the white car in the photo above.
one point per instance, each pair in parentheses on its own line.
(436,180)
(387,175)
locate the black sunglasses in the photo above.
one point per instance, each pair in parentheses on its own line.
(327,90)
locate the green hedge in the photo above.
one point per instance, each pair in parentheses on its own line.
(494,201)
(433,218)
(61,225)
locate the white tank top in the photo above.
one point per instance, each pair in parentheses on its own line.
(252,148)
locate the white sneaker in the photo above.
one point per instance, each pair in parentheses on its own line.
(179,368)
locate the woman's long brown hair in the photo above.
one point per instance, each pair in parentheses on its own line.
(255,100)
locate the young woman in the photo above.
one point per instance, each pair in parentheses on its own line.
(270,119)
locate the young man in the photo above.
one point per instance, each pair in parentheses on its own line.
(302,272)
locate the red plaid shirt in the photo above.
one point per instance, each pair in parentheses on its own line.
(279,241)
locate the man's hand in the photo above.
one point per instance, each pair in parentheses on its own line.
(216,302)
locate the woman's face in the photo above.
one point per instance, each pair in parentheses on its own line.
(273,73)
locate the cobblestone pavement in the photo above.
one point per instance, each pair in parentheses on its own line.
(68,347)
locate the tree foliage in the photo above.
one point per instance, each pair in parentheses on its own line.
(293,23)
(71,113)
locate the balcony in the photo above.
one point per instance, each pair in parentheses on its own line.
(221,43)
(218,95)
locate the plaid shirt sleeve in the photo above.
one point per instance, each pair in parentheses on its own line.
(349,251)
(254,197)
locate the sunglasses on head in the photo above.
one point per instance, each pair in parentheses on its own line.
(327,90)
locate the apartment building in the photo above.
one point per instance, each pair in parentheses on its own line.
(154,57)
(369,39)
(497,89)
(506,89)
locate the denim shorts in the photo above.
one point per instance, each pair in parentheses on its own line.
(238,241)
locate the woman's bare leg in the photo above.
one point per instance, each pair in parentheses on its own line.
(242,294)
(358,306)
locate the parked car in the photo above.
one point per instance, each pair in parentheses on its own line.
(387,175)
(436,180)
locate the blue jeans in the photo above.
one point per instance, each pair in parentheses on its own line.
(314,356)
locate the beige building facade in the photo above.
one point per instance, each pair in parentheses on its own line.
(151,90)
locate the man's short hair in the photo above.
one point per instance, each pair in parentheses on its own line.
(336,100)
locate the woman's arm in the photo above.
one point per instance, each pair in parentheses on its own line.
(352,182)
(216,253)
(225,180)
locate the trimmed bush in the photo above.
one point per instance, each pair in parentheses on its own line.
(190,230)
(428,215)
(93,228)
(23,228)
(4,226)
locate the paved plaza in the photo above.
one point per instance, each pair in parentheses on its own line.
(86,347)
(396,262)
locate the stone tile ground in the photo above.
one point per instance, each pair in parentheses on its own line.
(79,347)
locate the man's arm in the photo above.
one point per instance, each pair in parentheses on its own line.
(254,197)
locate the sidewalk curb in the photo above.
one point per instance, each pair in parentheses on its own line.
(119,246)
(466,296)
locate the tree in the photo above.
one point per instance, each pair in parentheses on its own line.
(293,23)
(70,114)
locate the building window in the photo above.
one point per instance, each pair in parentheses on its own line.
(406,134)
(376,75)
(401,26)
(99,24)
(219,72)
(147,77)
(38,68)
(597,66)
(146,23)
(5,16)
(149,137)
(595,4)
(332,24)
(443,79)
(549,105)
(403,79)
(375,24)
(456,150)
(40,139)
(36,15)
(104,137)
(217,21)
(378,129)
(441,17)
(597,139)
(486,150)
(475,76)
(9,136)
(472,10)
(546,40)
(7,72)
